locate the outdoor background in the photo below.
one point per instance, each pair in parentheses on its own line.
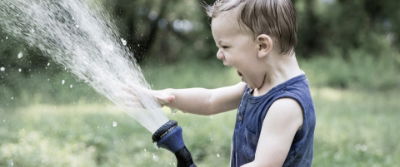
(349,50)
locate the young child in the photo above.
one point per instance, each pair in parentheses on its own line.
(275,119)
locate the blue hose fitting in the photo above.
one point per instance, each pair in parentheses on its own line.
(169,136)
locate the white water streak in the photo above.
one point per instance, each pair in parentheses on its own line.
(82,38)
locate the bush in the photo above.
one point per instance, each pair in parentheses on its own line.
(358,68)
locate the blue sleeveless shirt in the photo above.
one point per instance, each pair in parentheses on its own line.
(251,113)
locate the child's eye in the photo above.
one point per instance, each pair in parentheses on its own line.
(225,47)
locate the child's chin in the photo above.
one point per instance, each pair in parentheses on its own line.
(250,85)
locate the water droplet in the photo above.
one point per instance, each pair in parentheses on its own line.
(211,138)
(218,155)
(174,111)
(6,37)
(152,15)
(62,82)
(71,86)
(20,55)
(123,41)
(19,70)
(12,98)
(114,124)
(11,162)
(155,146)
(361,147)
(155,157)
(48,79)
(32,31)
(145,150)
(77,26)
(2,69)
(48,64)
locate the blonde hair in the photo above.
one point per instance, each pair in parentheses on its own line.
(276,18)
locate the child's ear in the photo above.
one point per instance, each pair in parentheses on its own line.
(265,45)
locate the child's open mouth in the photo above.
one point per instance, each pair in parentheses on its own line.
(239,73)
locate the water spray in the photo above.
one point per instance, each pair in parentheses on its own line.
(169,136)
(82,38)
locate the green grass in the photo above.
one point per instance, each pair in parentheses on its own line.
(354,128)
(61,126)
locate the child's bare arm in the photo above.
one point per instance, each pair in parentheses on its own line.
(202,101)
(280,125)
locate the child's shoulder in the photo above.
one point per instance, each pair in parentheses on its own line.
(287,108)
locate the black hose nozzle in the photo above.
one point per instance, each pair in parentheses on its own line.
(169,136)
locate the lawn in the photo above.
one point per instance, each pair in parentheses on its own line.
(355,127)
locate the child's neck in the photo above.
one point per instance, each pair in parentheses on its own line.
(281,68)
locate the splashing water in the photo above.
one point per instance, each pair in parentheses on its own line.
(82,38)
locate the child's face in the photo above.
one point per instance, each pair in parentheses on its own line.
(237,48)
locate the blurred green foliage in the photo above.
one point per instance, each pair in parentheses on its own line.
(174,29)
(362,33)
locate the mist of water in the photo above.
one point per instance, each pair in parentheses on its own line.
(80,36)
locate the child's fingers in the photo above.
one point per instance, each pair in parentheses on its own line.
(170,99)
(164,98)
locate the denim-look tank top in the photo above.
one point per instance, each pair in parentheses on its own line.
(251,113)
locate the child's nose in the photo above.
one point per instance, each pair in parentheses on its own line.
(220,55)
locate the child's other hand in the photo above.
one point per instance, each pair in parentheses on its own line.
(164,97)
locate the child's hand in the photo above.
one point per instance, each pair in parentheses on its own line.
(164,97)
